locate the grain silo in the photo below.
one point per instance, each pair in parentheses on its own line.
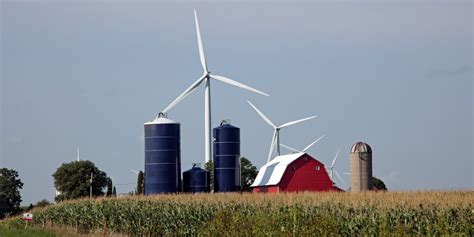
(226,158)
(361,167)
(196,180)
(162,156)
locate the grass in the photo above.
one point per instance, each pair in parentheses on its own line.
(37,231)
(28,232)
(291,214)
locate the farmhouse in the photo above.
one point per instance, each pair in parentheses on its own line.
(295,172)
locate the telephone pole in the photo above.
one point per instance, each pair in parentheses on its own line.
(90,190)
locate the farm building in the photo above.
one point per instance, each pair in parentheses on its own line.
(295,172)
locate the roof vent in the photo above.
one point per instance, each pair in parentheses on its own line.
(162,115)
(225,121)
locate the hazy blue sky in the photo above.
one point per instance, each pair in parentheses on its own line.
(395,74)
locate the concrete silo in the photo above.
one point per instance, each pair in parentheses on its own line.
(361,167)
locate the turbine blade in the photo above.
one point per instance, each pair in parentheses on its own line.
(335,157)
(296,121)
(290,148)
(262,115)
(272,145)
(184,94)
(337,174)
(237,84)
(346,173)
(135,171)
(310,145)
(200,46)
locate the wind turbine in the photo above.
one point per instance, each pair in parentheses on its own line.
(305,149)
(331,169)
(276,132)
(206,78)
(78,157)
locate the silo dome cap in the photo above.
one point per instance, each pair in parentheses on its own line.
(361,147)
(161,119)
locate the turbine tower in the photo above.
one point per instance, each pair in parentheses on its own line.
(276,132)
(206,78)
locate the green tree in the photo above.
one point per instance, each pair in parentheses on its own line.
(378,184)
(209,166)
(109,187)
(43,203)
(72,180)
(248,172)
(10,197)
(140,183)
(114,192)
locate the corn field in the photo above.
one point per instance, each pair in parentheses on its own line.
(293,214)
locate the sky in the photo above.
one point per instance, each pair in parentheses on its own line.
(397,75)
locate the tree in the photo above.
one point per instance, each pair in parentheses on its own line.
(114,192)
(73,180)
(209,166)
(140,183)
(378,184)
(10,197)
(42,203)
(248,173)
(109,187)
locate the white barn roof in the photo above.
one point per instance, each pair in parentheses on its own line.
(272,172)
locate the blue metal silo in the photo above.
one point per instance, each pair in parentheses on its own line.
(226,158)
(162,156)
(196,180)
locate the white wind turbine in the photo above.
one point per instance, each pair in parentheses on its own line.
(331,169)
(305,149)
(78,157)
(206,77)
(276,132)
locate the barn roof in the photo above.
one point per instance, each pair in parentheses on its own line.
(272,172)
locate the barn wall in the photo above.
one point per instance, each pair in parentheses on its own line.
(305,176)
(262,189)
(266,189)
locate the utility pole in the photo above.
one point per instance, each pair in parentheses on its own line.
(90,192)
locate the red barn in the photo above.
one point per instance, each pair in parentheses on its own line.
(293,173)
